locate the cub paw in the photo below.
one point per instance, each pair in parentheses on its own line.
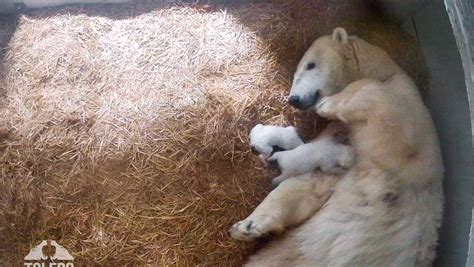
(250,229)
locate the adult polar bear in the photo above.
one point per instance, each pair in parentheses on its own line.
(386,210)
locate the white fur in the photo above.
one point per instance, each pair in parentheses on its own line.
(263,137)
(295,199)
(290,203)
(324,153)
(386,210)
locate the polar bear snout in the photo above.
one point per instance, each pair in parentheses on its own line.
(304,101)
(294,100)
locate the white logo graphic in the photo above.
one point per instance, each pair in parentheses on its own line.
(49,254)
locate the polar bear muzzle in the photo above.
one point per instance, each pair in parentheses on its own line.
(305,101)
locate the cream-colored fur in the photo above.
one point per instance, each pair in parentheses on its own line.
(292,202)
(386,210)
(298,198)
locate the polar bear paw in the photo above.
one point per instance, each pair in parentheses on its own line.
(326,108)
(254,227)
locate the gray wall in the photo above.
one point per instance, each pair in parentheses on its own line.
(447,48)
(461,15)
(448,101)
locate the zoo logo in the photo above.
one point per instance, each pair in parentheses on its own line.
(48,254)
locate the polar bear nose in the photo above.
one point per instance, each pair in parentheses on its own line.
(294,100)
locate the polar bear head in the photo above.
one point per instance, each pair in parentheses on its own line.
(322,71)
(334,61)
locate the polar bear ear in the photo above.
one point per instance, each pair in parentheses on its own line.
(339,35)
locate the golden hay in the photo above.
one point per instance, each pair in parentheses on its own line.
(125,136)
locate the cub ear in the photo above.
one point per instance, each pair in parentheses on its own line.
(339,35)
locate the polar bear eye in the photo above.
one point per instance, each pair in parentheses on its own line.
(310,66)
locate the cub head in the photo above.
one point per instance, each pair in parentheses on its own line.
(321,71)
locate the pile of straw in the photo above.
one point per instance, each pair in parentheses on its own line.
(124,134)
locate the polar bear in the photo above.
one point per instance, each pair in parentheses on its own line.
(386,209)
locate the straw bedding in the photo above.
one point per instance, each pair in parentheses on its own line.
(124,136)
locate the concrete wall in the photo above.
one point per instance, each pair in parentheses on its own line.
(447,48)
(445,34)
(449,105)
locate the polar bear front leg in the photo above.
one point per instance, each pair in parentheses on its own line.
(292,202)
(338,107)
(352,103)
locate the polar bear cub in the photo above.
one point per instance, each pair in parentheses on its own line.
(327,153)
(265,139)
